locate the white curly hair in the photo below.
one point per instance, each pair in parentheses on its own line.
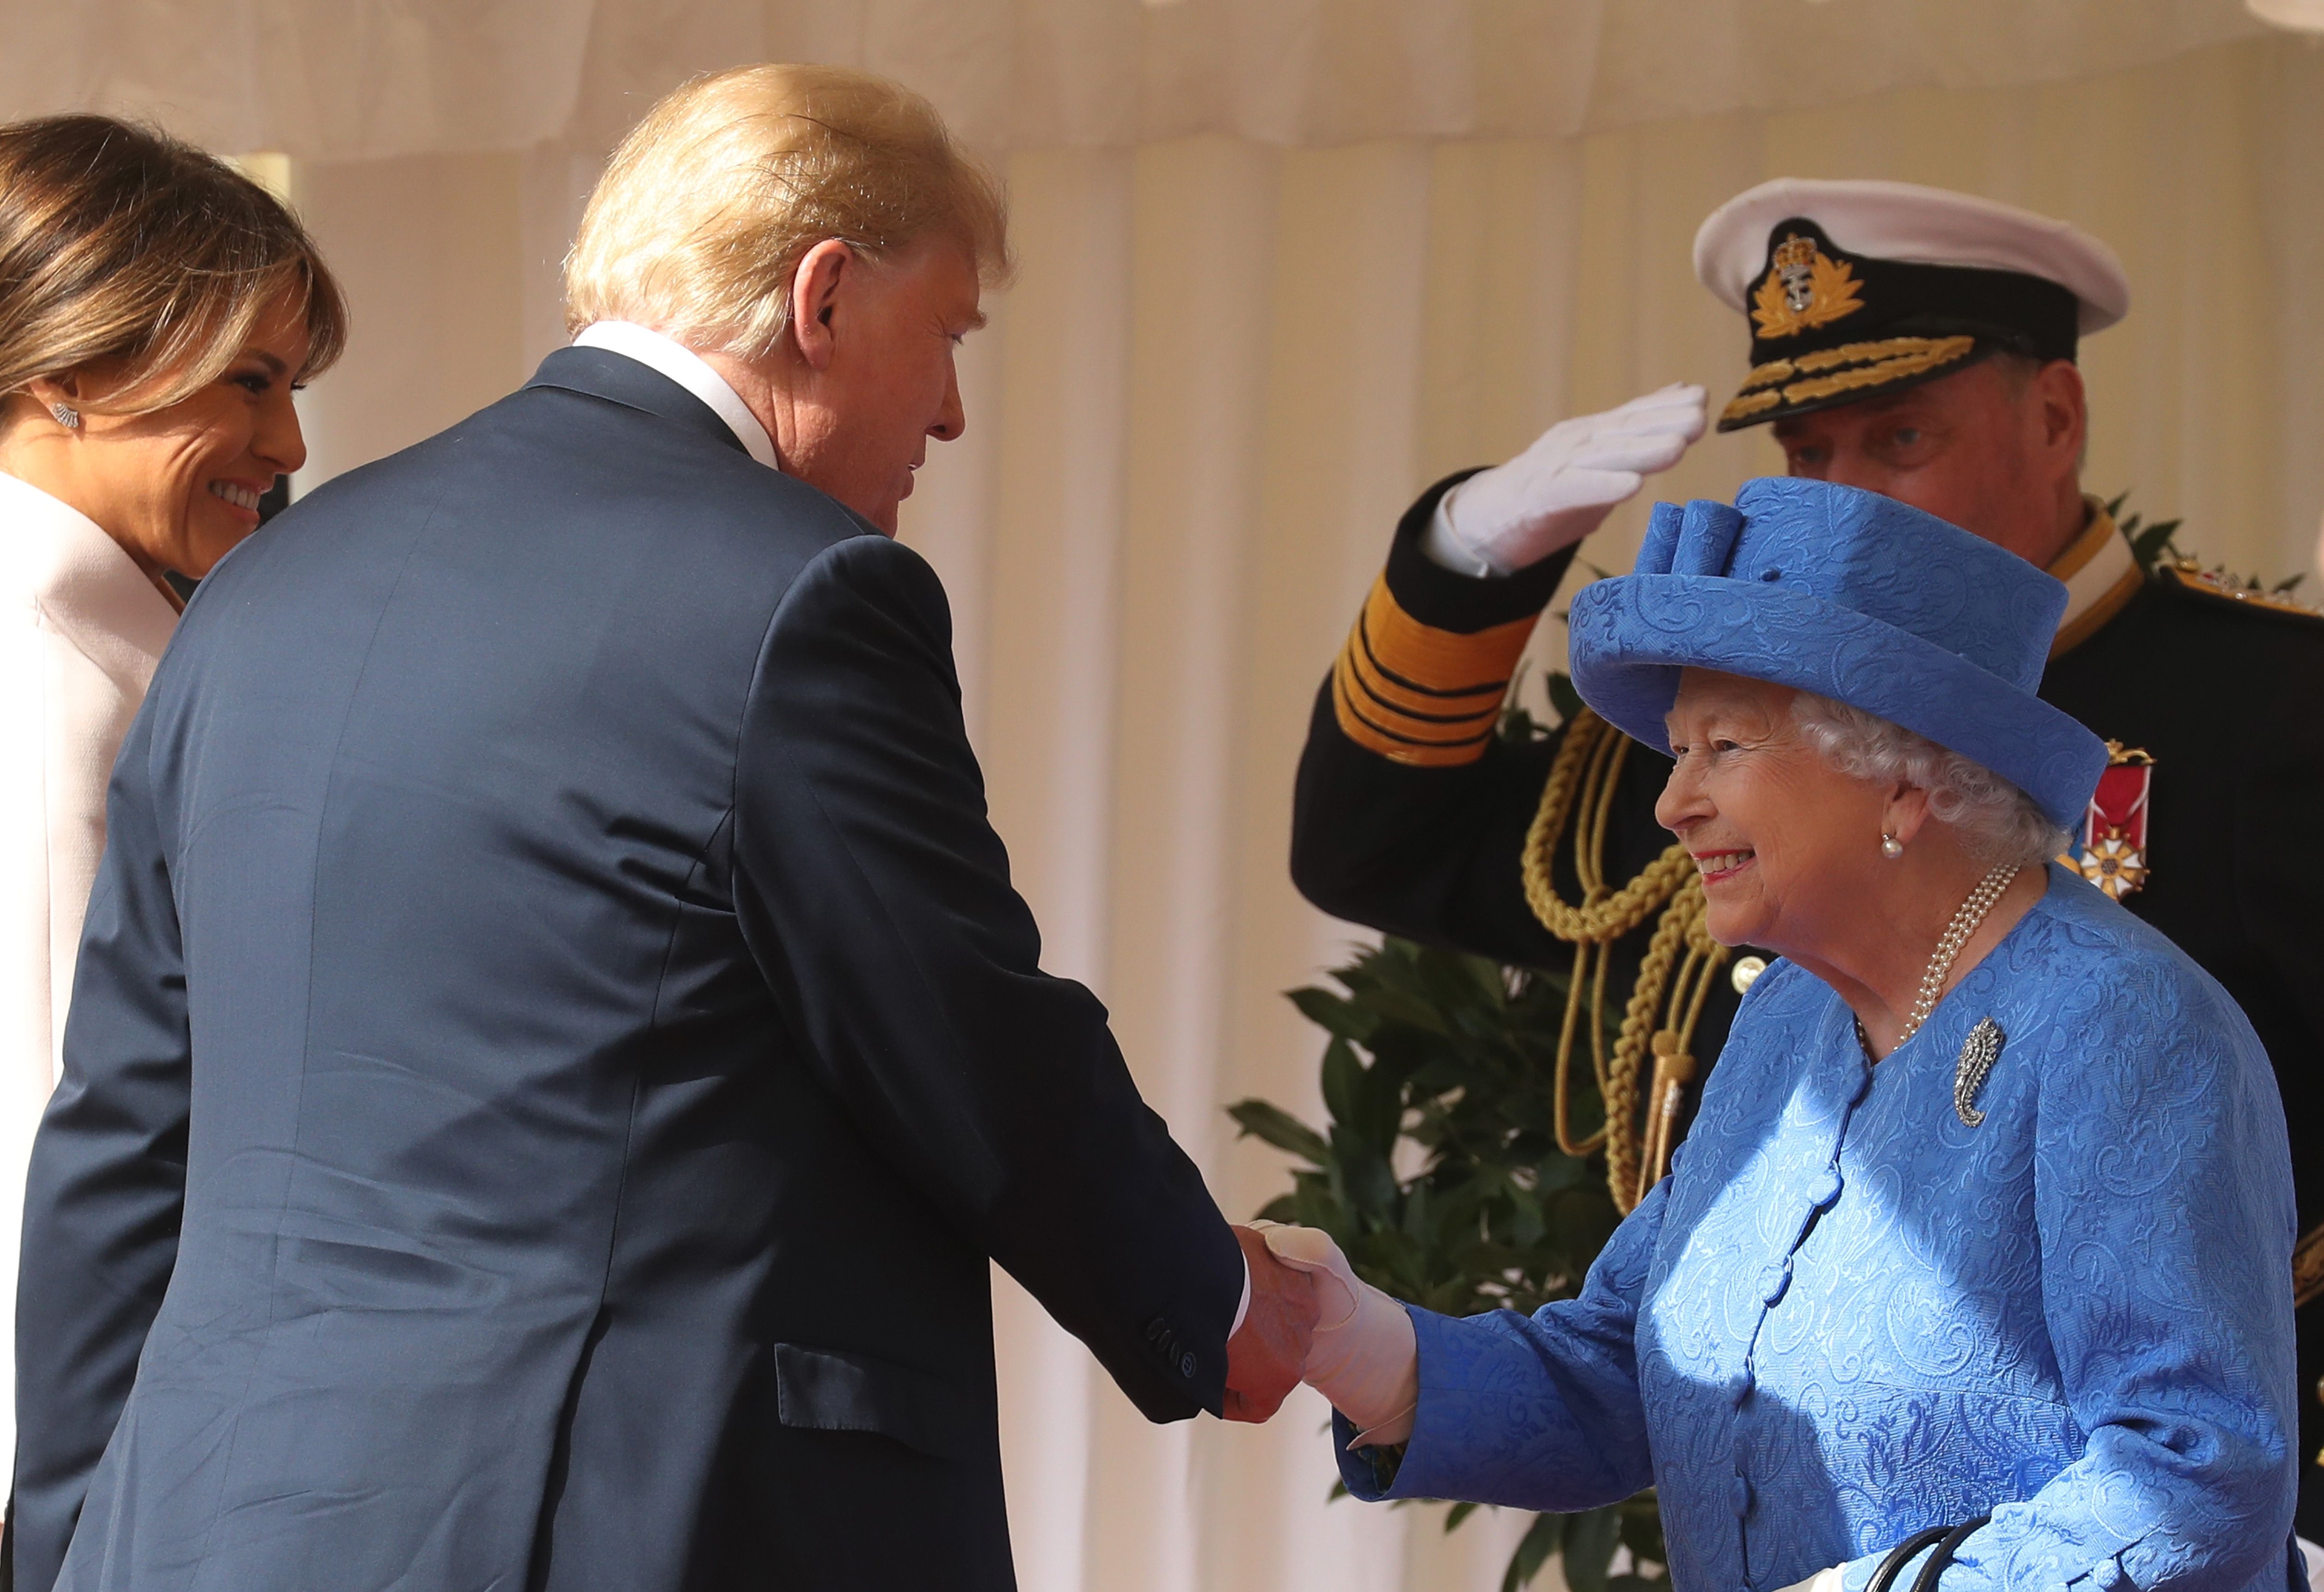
(1999,822)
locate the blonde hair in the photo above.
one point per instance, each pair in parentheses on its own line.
(123,247)
(707,208)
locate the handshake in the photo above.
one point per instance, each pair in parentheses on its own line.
(1312,1319)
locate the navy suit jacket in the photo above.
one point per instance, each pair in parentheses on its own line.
(553,1049)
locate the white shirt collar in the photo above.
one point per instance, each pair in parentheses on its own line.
(2101,575)
(683,365)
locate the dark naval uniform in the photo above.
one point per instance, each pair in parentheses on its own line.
(1412,814)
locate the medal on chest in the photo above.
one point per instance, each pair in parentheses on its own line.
(2112,849)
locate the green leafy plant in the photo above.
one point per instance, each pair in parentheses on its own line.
(1439,1173)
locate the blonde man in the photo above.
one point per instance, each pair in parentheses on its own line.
(553,955)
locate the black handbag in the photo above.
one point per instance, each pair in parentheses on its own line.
(1942,1539)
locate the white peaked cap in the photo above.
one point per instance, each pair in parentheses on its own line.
(1905,222)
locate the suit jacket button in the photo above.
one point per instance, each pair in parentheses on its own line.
(1156,1330)
(1186,1365)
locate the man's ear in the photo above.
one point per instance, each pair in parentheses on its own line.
(827,273)
(2062,409)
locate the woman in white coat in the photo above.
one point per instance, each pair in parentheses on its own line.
(157,309)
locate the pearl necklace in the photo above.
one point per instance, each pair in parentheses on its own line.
(1949,948)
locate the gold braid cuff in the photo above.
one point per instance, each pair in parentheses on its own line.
(1662,1011)
(1418,695)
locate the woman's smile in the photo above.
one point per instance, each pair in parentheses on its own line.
(239,495)
(1718,866)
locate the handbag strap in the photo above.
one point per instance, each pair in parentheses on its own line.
(1942,1555)
(1944,1539)
(1902,1554)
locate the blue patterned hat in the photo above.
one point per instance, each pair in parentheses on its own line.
(1852,595)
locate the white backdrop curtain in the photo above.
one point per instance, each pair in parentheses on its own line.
(1284,264)
(353,80)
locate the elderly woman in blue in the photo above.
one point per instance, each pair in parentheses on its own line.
(1986,1220)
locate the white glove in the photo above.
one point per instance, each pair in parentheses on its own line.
(1562,487)
(1363,1357)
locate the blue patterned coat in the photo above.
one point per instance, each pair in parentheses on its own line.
(1848,1314)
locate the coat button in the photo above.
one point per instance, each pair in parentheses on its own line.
(1186,1365)
(1825,1190)
(1738,1386)
(1779,1281)
(1740,1496)
(1156,1329)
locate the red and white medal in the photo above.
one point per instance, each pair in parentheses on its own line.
(2113,851)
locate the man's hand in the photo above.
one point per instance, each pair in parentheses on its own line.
(1562,487)
(1264,1359)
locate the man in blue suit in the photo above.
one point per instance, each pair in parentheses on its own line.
(555,1045)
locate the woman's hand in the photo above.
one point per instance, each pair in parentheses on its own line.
(1362,1355)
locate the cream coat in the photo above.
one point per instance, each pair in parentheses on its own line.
(80,631)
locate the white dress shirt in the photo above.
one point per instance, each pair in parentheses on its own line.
(683,365)
(81,629)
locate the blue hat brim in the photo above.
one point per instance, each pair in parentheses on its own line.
(1632,634)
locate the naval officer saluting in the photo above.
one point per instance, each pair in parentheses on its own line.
(1920,344)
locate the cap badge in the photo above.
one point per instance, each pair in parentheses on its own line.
(1804,289)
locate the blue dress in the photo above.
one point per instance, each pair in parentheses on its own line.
(1848,1314)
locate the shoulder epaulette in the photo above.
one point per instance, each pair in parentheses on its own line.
(2209,583)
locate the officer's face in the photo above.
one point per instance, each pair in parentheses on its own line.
(1995,451)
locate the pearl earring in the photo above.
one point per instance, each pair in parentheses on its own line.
(1891,848)
(66,416)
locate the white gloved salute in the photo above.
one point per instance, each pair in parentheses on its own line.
(1364,1356)
(1562,487)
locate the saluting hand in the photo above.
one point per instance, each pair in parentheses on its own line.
(1562,487)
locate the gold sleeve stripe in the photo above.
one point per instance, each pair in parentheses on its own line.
(1399,694)
(1365,730)
(1418,695)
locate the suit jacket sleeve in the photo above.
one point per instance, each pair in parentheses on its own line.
(877,900)
(107,1185)
(1410,814)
